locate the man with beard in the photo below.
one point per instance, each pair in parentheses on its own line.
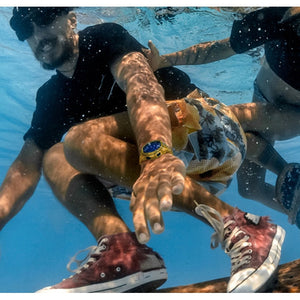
(94,69)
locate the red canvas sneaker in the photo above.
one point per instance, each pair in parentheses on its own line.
(253,244)
(119,263)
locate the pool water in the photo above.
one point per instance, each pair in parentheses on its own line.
(36,245)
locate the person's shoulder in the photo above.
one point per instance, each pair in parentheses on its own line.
(54,80)
(50,87)
(105,35)
(103,29)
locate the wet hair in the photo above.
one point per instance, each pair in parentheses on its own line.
(23,17)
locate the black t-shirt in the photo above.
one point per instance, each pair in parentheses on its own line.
(92,91)
(282,46)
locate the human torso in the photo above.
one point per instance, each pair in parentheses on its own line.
(274,89)
(278,78)
(283,58)
(92,91)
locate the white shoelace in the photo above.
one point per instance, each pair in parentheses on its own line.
(236,253)
(84,263)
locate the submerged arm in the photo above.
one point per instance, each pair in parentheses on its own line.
(150,121)
(145,100)
(20,181)
(202,53)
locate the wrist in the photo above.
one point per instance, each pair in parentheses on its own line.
(154,150)
(165,62)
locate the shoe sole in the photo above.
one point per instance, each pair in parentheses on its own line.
(268,286)
(138,282)
(260,279)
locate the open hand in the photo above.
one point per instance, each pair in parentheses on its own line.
(152,193)
(154,59)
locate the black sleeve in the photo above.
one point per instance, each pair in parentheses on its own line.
(45,129)
(176,83)
(117,41)
(257,28)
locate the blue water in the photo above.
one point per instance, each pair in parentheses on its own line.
(36,245)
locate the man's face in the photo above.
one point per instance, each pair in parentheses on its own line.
(53,44)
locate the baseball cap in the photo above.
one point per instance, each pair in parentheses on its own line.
(23,17)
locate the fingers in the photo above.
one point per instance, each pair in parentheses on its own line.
(147,52)
(152,209)
(153,214)
(153,194)
(139,221)
(145,208)
(169,186)
(178,182)
(152,47)
(164,192)
(148,206)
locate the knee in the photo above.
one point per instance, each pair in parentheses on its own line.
(81,141)
(83,133)
(74,144)
(52,160)
(78,138)
(255,145)
(52,155)
(74,134)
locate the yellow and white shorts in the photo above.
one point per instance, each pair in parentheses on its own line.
(208,138)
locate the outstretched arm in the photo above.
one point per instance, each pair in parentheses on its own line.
(255,29)
(147,109)
(162,177)
(198,54)
(20,181)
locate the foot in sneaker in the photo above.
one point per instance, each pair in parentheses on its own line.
(253,244)
(119,263)
(288,192)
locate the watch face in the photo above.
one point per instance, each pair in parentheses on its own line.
(150,147)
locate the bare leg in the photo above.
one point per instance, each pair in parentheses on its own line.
(89,148)
(261,155)
(270,121)
(252,185)
(193,191)
(82,194)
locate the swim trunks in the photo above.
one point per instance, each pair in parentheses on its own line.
(215,141)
